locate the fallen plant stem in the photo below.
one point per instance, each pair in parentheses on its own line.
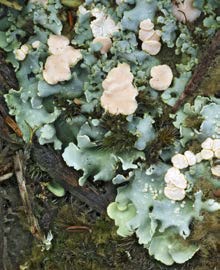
(71,3)
(5,177)
(10,122)
(11,4)
(32,220)
(4,132)
(52,162)
(200,71)
(78,229)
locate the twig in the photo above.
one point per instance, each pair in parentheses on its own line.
(78,229)
(53,164)
(4,132)
(200,71)
(6,122)
(11,4)
(9,121)
(5,176)
(71,3)
(32,221)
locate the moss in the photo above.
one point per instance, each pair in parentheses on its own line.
(207,234)
(69,108)
(103,249)
(119,140)
(167,56)
(145,102)
(166,136)
(194,121)
(76,250)
(194,146)
(34,172)
(210,84)
(163,119)
(113,122)
(100,249)
(206,187)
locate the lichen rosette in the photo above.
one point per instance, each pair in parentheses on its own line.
(101,87)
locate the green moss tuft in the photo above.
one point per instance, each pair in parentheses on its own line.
(77,250)
(194,121)
(118,142)
(145,102)
(194,146)
(120,139)
(206,187)
(113,122)
(207,234)
(210,84)
(165,137)
(68,107)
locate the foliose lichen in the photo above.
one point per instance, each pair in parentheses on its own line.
(134,149)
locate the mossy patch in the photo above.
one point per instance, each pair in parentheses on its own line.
(210,84)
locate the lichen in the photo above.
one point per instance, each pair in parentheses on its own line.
(119,127)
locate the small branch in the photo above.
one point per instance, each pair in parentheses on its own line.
(4,132)
(11,4)
(200,71)
(6,122)
(54,165)
(71,3)
(32,221)
(5,177)
(52,162)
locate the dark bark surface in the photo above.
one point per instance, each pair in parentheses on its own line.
(205,62)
